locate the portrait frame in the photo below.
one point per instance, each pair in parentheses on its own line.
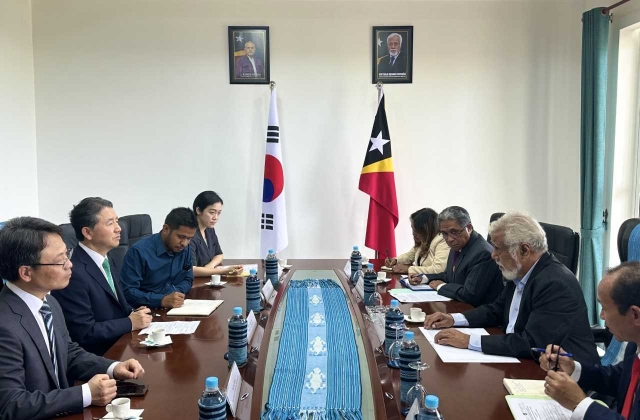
(245,71)
(384,67)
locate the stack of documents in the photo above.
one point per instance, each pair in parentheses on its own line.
(409,296)
(176,327)
(194,307)
(455,355)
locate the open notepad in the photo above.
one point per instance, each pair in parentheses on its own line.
(524,386)
(194,307)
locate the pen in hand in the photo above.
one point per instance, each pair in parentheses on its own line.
(540,350)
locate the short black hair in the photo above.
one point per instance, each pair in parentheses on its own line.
(21,242)
(85,214)
(625,291)
(181,216)
(205,199)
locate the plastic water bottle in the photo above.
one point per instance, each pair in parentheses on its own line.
(430,409)
(252,286)
(370,278)
(392,316)
(213,403)
(271,267)
(237,338)
(356,263)
(409,353)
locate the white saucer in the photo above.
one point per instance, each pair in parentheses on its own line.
(385,280)
(222,283)
(409,319)
(286,267)
(148,343)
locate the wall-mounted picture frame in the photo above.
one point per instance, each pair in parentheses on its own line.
(249,61)
(392,54)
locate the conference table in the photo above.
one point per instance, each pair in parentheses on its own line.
(175,374)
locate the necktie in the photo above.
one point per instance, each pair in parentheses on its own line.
(45,311)
(107,270)
(631,391)
(392,60)
(456,254)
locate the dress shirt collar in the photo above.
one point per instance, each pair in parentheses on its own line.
(96,257)
(160,248)
(34,303)
(520,283)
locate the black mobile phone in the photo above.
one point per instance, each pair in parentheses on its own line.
(130,389)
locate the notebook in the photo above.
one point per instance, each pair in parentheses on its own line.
(524,386)
(193,307)
(424,287)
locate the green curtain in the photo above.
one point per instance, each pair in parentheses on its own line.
(595,41)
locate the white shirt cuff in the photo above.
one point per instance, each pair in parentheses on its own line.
(475,342)
(581,409)
(86,396)
(459,320)
(440,287)
(111,368)
(576,371)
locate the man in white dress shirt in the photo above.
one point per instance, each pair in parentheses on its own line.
(38,361)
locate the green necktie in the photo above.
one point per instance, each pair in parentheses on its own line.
(107,270)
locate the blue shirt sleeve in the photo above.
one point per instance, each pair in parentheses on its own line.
(184,284)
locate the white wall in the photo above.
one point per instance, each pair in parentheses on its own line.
(18,180)
(134,104)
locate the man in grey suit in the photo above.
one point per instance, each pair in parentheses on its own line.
(38,361)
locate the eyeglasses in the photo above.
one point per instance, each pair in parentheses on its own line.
(453,233)
(64,263)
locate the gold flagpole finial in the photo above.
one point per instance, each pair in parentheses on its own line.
(272,85)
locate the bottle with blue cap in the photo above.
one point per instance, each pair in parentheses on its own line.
(213,403)
(271,267)
(409,353)
(253,286)
(356,263)
(393,316)
(430,410)
(237,347)
(370,278)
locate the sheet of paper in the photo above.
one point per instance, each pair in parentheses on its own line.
(252,323)
(175,327)
(454,355)
(536,408)
(524,386)
(233,388)
(408,296)
(196,307)
(414,411)
(272,299)
(404,280)
(267,289)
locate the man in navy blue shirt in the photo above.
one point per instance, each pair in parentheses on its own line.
(157,270)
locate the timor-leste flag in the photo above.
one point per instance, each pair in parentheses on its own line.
(377,180)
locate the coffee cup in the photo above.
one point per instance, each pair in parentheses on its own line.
(157,336)
(119,407)
(283,263)
(417,314)
(215,279)
(382,275)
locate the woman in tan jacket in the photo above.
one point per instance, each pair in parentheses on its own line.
(430,253)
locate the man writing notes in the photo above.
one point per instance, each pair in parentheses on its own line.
(619,295)
(96,311)
(157,270)
(542,301)
(470,276)
(38,361)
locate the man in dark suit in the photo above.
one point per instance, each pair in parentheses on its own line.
(618,293)
(471,275)
(96,311)
(540,296)
(38,361)
(396,60)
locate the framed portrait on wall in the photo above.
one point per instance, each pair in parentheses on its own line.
(392,54)
(249,55)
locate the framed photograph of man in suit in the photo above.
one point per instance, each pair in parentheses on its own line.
(392,54)
(249,55)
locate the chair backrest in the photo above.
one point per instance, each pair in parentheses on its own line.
(69,235)
(138,226)
(118,253)
(625,246)
(563,242)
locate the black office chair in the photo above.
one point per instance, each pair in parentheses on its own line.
(69,235)
(563,242)
(138,226)
(118,253)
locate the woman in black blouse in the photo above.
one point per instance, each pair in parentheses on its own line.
(206,253)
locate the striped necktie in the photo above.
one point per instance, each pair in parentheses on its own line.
(45,311)
(107,270)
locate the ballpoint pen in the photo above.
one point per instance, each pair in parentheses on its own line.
(540,350)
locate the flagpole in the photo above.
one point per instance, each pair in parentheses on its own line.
(379,86)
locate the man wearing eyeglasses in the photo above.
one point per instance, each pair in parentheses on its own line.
(94,306)
(38,361)
(471,275)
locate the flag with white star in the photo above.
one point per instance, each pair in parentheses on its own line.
(378,181)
